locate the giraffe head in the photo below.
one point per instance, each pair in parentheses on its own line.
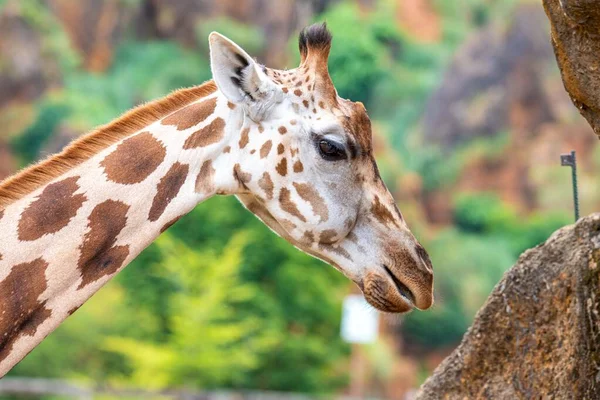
(304,165)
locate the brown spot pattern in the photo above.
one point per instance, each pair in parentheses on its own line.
(266,184)
(244,139)
(382,213)
(241,176)
(20,310)
(288,205)
(309,194)
(298,92)
(169,224)
(265,149)
(168,188)
(282,130)
(298,167)
(204,180)
(134,159)
(280,148)
(191,115)
(210,134)
(328,236)
(231,105)
(227,149)
(99,256)
(339,250)
(308,237)
(282,167)
(51,211)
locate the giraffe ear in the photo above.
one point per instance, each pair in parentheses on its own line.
(237,75)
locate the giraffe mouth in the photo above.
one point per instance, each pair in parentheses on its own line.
(401,287)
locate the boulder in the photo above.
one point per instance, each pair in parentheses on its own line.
(538,334)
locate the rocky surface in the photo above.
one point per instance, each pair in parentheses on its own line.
(538,335)
(495,71)
(576,42)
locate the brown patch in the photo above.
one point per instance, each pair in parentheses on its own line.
(322,104)
(20,310)
(282,167)
(280,148)
(241,176)
(358,124)
(308,237)
(227,149)
(285,90)
(288,205)
(298,92)
(89,145)
(282,130)
(72,310)
(305,102)
(1,214)
(308,193)
(298,167)
(210,134)
(261,128)
(382,213)
(51,211)
(293,122)
(168,188)
(244,139)
(99,256)
(328,236)
(266,184)
(191,115)
(293,151)
(265,149)
(204,180)
(231,105)
(169,224)
(134,159)
(339,250)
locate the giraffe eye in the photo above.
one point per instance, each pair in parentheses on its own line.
(331,151)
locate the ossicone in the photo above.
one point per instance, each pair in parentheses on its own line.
(315,41)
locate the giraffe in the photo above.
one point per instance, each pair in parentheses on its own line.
(294,153)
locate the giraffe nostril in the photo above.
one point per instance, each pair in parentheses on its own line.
(424,256)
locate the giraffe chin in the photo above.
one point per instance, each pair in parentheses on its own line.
(386,295)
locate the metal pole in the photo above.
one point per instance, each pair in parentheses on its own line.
(570,160)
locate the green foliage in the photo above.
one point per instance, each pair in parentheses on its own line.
(142,71)
(54,40)
(209,343)
(250,38)
(485,214)
(30,142)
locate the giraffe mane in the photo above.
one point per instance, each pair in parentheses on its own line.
(83,148)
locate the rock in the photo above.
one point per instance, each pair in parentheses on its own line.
(493,83)
(576,41)
(538,335)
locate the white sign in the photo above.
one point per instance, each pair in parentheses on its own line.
(360,323)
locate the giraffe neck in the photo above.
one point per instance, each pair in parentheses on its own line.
(63,241)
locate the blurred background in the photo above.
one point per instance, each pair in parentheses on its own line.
(469,116)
